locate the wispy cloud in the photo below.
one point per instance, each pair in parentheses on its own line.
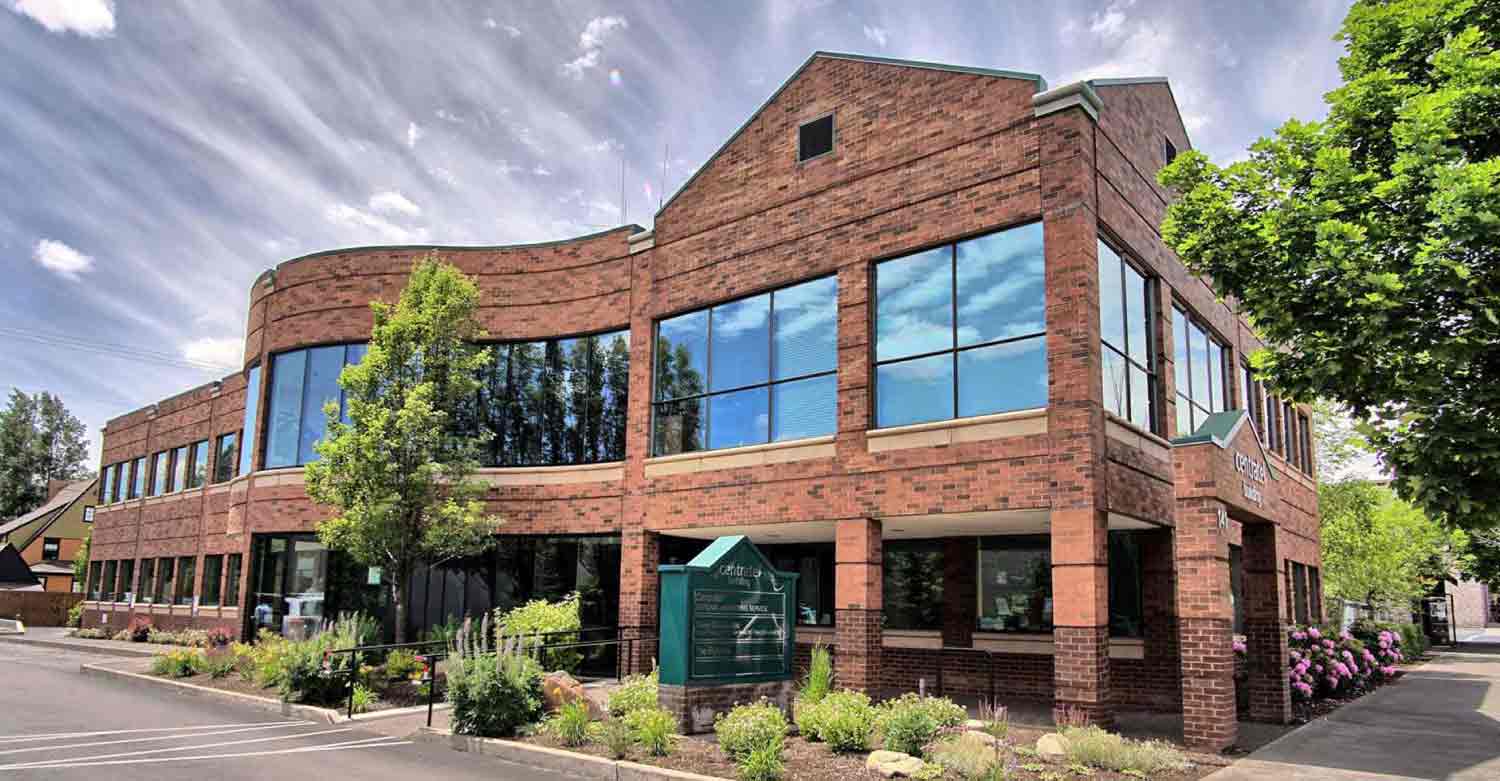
(591,43)
(365,224)
(413,134)
(226,352)
(88,18)
(877,35)
(62,260)
(392,202)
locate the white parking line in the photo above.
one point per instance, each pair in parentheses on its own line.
(345,746)
(197,734)
(50,762)
(65,735)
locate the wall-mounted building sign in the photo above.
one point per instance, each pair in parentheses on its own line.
(726,617)
(1252,470)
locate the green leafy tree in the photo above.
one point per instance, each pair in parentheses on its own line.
(1340,443)
(81,557)
(1366,247)
(399,474)
(1380,549)
(40,440)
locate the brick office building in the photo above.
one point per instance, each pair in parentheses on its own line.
(916,335)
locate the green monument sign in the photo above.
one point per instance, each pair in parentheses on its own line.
(726,617)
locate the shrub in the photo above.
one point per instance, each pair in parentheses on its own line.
(91,634)
(401,664)
(969,755)
(653,728)
(220,663)
(615,736)
(1324,665)
(221,636)
(177,663)
(160,637)
(911,721)
(75,615)
(364,698)
(537,621)
(570,725)
(140,629)
(1095,747)
(494,694)
(763,763)
(748,727)
(635,693)
(819,680)
(844,720)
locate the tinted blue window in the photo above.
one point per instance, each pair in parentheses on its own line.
(1003,377)
(679,426)
(804,408)
(741,340)
(1001,286)
(682,356)
(915,313)
(914,391)
(323,367)
(738,418)
(805,329)
(252,403)
(288,370)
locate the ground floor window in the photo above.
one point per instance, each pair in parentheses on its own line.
(812,561)
(186,579)
(213,570)
(1237,587)
(1015,584)
(164,580)
(296,584)
(1299,592)
(146,591)
(127,580)
(107,590)
(913,584)
(1127,602)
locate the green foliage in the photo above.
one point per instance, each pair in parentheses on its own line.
(653,728)
(748,727)
(92,633)
(911,721)
(819,681)
(177,663)
(615,736)
(401,664)
(537,621)
(570,725)
(219,664)
(634,693)
(399,475)
(494,694)
(1094,747)
(928,772)
(81,570)
(762,763)
(1365,247)
(969,755)
(75,613)
(1378,548)
(364,698)
(40,440)
(845,720)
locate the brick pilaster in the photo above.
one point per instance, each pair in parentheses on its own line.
(1265,636)
(858,601)
(1205,626)
(640,553)
(960,595)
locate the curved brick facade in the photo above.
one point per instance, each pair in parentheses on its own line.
(924,156)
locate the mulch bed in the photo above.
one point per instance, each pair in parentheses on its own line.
(398,694)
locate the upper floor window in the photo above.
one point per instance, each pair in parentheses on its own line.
(119,490)
(815,138)
(1169,150)
(197,470)
(1125,313)
(960,330)
(107,484)
(1304,427)
(159,473)
(302,381)
(557,401)
(252,405)
(179,469)
(760,369)
(51,548)
(1202,372)
(226,457)
(137,478)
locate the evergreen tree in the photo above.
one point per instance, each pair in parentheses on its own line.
(39,441)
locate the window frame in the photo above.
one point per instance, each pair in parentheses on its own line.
(268,397)
(184,587)
(833,136)
(233,569)
(708,363)
(146,587)
(874,362)
(230,469)
(1304,427)
(1155,423)
(212,591)
(250,430)
(1225,370)
(1016,542)
(125,584)
(194,451)
(55,543)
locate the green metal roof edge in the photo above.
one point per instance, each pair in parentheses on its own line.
(1040,82)
(1220,428)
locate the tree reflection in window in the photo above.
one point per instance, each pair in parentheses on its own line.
(560,401)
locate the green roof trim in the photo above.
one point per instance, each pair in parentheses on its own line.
(1041,85)
(1220,429)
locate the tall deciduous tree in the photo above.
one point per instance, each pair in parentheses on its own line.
(39,441)
(1367,247)
(400,472)
(1380,549)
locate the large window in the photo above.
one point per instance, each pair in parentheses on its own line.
(1304,430)
(107,586)
(185,579)
(232,581)
(1202,372)
(960,329)
(137,477)
(164,580)
(146,591)
(913,584)
(226,457)
(179,469)
(1299,592)
(746,372)
(213,570)
(1125,314)
(302,381)
(247,431)
(127,580)
(93,588)
(1015,584)
(557,401)
(197,470)
(159,473)
(107,485)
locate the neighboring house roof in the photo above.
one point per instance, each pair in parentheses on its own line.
(51,568)
(14,573)
(49,512)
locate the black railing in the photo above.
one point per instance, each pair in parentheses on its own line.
(539,645)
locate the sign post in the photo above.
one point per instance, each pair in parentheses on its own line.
(728,623)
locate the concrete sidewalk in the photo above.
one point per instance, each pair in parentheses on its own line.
(1440,721)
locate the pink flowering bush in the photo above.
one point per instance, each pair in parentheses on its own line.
(1329,666)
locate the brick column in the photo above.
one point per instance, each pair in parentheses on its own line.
(960,591)
(1205,626)
(858,565)
(1159,598)
(1080,614)
(1265,636)
(640,553)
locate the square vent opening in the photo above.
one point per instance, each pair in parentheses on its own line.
(815,138)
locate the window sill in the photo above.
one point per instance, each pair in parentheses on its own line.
(734,457)
(1125,432)
(911,638)
(942,433)
(608,471)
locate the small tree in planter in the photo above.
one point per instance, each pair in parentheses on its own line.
(399,473)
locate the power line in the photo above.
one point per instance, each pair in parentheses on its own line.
(115,350)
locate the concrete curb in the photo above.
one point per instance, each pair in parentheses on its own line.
(556,760)
(308,712)
(113,649)
(391,713)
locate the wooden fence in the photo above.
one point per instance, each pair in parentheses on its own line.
(38,608)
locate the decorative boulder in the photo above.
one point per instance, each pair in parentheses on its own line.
(892,764)
(559,689)
(1052,747)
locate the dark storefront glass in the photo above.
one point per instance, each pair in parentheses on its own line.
(1015,584)
(296,584)
(812,561)
(913,584)
(1127,613)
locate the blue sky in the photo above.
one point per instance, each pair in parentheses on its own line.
(155,156)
